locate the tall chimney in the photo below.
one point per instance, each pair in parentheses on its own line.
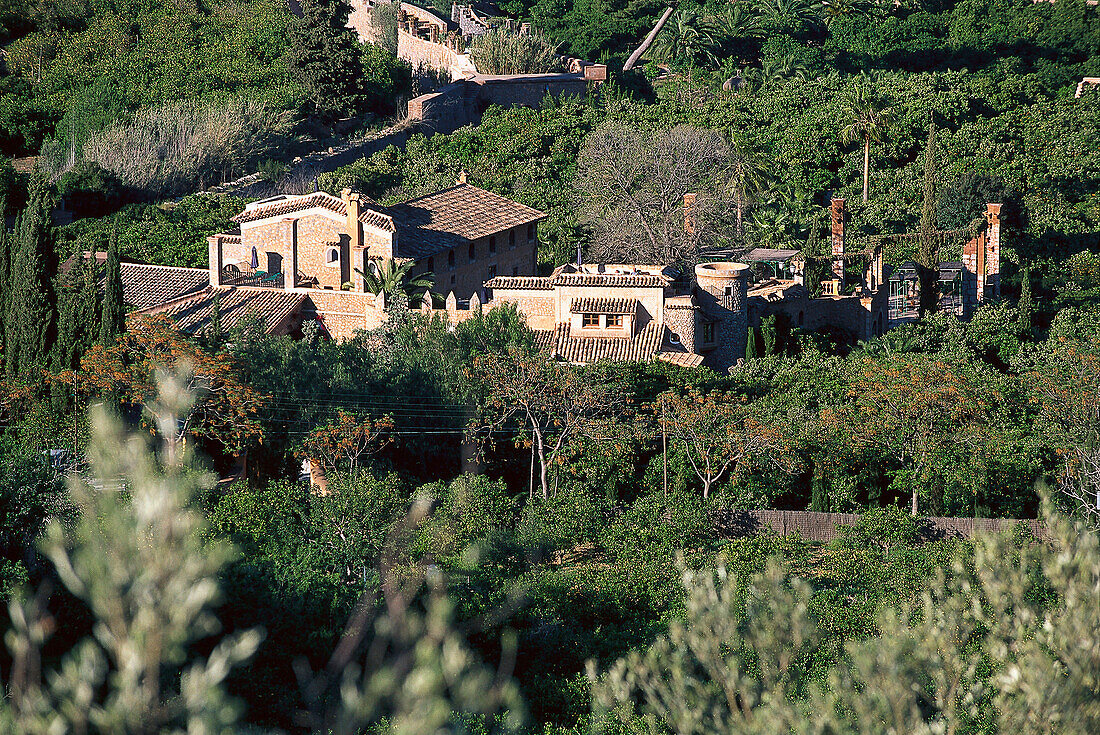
(214,243)
(689,213)
(837,215)
(462,176)
(355,233)
(993,250)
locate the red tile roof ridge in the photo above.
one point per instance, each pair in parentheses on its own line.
(285,204)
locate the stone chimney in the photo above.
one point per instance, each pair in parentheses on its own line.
(354,207)
(982,259)
(993,250)
(837,215)
(215,245)
(462,177)
(689,213)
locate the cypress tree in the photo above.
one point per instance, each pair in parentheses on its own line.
(1025,306)
(77,323)
(768,331)
(928,255)
(750,345)
(31,323)
(5,267)
(113,319)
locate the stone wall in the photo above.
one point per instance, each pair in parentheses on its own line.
(418,52)
(302,246)
(539,307)
(343,313)
(824,527)
(684,322)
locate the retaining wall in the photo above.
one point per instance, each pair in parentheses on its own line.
(814,526)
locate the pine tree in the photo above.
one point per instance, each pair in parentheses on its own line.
(928,255)
(113,319)
(30,327)
(327,58)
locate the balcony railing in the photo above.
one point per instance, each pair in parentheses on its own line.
(234,276)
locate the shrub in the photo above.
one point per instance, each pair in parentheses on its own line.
(503,52)
(90,190)
(177,146)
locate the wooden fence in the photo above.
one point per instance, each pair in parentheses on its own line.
(814,526)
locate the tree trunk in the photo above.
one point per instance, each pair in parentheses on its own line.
(866,166)
(544,480)
(740,215)
(649,39)
(706,489)
(913,509)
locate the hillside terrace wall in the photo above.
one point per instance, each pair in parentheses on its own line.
(420,52)
(824,527)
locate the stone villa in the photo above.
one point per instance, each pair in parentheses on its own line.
(304,258)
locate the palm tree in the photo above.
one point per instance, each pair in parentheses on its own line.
(392,278)
(748,176)
(790,16)
(775,71)
(688,37)
(867,119)
(649,39)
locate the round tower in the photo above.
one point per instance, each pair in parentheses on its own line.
(723,298)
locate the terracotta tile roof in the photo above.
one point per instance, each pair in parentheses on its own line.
(545,339)
(683,359)
(192,313)
(287,204)
(144,286)
(455,216)
(642,346)
(378,219)
(521,283)
(604,306)
(637,280)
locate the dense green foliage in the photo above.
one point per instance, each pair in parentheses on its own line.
(578,554)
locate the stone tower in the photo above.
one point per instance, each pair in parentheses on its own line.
(723,300)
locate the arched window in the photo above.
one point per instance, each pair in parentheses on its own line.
(530,232)
(451,260)
(431,264)
(473,253)
(511,239)
(493,244)
(332,256)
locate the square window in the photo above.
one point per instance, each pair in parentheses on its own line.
(708,332)
(492,271)
(590,321)
(515,270)
(615,321)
